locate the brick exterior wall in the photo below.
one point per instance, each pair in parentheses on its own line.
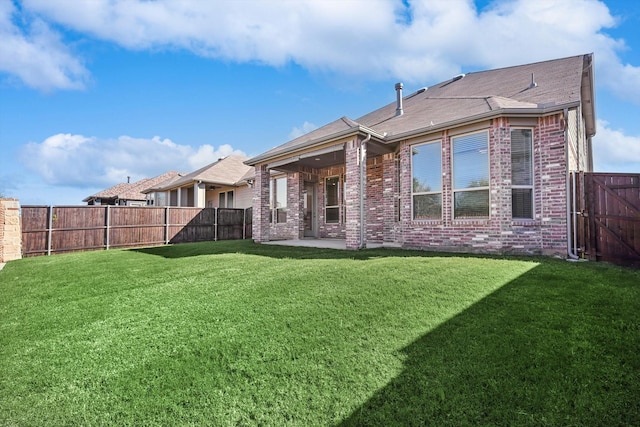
(261,227)
(545,234)
(375,212)
(388,198)
(10,230)
(353,197)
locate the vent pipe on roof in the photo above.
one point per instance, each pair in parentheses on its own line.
(533,82)
(128,180)
(399,110)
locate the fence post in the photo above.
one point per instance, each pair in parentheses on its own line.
(244,224)
(50,230)
(591,208)
(166,225)
(215,224)
(107,228)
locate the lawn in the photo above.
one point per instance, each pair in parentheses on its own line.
(235,333)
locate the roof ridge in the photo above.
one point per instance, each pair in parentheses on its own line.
(526,64)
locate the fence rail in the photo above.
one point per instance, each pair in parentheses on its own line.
(55,229)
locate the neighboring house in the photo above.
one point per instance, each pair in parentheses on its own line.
(222,184)
(128,193)
(478,163)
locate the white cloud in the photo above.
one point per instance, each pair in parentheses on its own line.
(206,154)
(428,41)
(304,129)
(80,161)
(613,151)
(36,55)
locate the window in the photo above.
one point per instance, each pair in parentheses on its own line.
(332,200)
(426,169)
(278,199)
(225,199)
(521,174)
(471,176)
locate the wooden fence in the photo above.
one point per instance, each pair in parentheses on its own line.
(608,217)
(55,229)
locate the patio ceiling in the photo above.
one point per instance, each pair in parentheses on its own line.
(325,157)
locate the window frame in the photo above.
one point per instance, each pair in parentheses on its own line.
(339,206)
(278,214)
(455,190)
(223,199)
(422,193)
(532,175)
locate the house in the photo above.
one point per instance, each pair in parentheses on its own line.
(225,183)
(128,193)
(478,163)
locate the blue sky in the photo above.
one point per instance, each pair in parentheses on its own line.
(93,92)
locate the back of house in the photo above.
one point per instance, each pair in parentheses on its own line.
(478,163)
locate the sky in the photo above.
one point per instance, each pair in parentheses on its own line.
(95,92)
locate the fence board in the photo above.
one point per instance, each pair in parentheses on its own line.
(79,228)
(610,224)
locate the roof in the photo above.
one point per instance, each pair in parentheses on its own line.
(228,171)
(537,88)
(133,190)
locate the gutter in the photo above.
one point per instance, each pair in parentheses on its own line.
(532,112)
(570,189)
(362,156)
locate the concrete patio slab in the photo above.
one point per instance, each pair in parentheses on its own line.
(328,243)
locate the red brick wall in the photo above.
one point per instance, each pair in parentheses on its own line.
(352,195)
(388,194)
(375,202)
(260,226)
(546,233)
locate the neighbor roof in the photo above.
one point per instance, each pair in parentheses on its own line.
(133,190)
(228,171)
(536,88)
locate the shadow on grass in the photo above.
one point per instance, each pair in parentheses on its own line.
(542,350)
(248,247)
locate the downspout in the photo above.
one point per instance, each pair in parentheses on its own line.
(570,250)
(363,174)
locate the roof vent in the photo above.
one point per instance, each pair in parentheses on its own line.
(454,79)
(533,82)
(399,110)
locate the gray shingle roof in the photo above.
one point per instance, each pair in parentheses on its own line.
(133,190)
(558,83)
(227,171)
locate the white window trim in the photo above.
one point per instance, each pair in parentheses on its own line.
(531,187)
(272,200)
(435,141)
(486,188)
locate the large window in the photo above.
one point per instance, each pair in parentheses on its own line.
(426,170)
(278,199)
(521,174)
(332,199)
(471,176)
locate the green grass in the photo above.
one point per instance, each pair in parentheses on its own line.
(234,333)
